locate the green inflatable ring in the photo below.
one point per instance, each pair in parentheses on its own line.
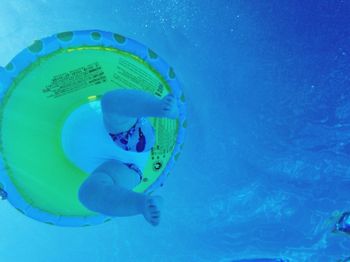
(40,88)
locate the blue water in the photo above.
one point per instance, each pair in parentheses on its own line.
(266,160)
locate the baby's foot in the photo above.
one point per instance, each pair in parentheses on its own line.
(152,209)
(169,107)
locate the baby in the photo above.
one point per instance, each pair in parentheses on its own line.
(108,190)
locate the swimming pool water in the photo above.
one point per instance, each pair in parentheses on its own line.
(266,163)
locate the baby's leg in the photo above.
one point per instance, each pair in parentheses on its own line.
(122,107)
(108,191)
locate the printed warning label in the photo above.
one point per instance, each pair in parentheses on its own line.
(133,75)
(165,141)
(75,80)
